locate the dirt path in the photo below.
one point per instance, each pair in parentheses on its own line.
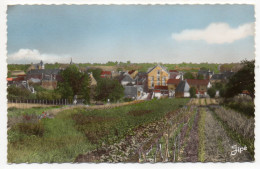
(218,146)
(106,106)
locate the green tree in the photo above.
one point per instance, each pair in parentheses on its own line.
(211,92)
(192,92)
(200,76)
(96,73)
(222,92)
(109,89)
(244,79)
(74,83)
(218,86)
(14,92)
(188,75)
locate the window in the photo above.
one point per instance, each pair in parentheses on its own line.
(158,83)
(158,72)
(158,78)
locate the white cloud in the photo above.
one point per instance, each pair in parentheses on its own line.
(24,56)
(216,33)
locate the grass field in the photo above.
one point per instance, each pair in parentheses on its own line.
(77,131)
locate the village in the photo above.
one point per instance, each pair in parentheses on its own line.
(156,82)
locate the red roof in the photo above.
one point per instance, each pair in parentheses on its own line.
(131,71)
(245,92)
(173,81)
(174,71)
(106,73)
(161,87)
(197,81)
(9,79)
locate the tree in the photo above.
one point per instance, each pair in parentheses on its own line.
(74,83)
(96,73)
(19,93)
(188,75)
(218,86)
(200,76)
(109,89)
(192,92)
(211,92)
(244,79)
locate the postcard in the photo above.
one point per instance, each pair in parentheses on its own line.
(130,83)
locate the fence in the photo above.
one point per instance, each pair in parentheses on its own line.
(45,102)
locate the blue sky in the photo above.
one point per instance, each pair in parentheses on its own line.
(160,33)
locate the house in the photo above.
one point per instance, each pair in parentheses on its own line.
(174,74)
(141,79)
(182,89)
(221,77)
(36,66)
(160,91)
(207,74)
(48,78)
(133,91)
(133,73)
(201,86)
(172,85)
(106,74)
(157,76)
(9,81)
(127,79)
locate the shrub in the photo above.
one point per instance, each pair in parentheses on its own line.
(211,92)
(192,92)
(36,129)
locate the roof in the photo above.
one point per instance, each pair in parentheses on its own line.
(128,78)
(173,81)
(161,88)
(183,86)
(163,68)
(106,73)
(224,75)
(9,79)
(131,71)
(44,71)
(198,81)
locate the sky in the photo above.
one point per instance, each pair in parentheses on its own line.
(136,33)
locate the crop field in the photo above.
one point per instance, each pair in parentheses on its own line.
(165,130)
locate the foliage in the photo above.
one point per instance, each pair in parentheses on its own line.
(19,93)
(218,86)
(244,79)
(109,89)
(48,95)
(36,129)
(188,75)
(211,92)
(192,92)
(96,73)
(74,83)
(200,76)
(23,67)
(63,140)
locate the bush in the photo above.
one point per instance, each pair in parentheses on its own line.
(211,92)
(192,92)
(36,129)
